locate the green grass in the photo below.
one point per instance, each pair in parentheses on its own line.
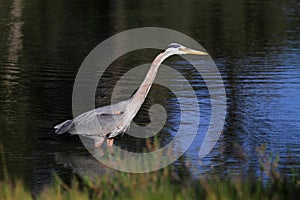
(163,184)
(155,185)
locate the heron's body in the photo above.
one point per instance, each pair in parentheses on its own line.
(110,121)
(107,118)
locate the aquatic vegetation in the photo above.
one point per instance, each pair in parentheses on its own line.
(163,184)
(166,183)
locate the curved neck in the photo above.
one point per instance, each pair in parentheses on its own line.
(136,101)
(141,93)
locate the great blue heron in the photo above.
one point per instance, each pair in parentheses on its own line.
(115,119)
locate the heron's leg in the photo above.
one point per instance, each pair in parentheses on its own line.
(110,142)
(98,141)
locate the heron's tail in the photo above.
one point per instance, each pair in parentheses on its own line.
(63,127)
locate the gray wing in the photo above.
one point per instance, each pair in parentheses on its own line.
(97,122)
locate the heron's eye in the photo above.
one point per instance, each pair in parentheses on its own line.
(174,45)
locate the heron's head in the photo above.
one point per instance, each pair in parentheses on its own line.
(175,48)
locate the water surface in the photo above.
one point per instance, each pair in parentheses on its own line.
(254,44)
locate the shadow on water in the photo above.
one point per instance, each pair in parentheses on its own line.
(254,44)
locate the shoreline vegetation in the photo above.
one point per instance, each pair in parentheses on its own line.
(166,183)
(155,185)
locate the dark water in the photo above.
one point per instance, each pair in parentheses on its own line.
(256,46)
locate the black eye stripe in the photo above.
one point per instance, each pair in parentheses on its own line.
(174,45)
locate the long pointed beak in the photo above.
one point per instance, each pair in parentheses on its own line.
(195,52)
